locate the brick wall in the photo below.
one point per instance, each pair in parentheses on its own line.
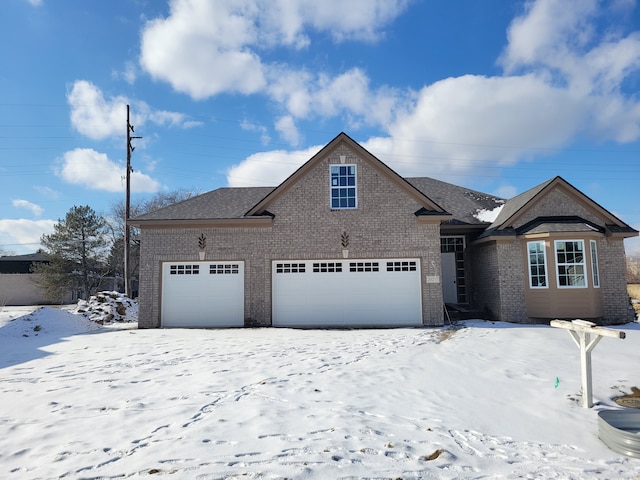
(557,203)
(613,284)
(304,227)
(500,272)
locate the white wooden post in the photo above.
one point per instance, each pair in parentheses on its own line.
(581,331)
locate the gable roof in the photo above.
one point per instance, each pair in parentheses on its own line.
(519,205)
(430,206)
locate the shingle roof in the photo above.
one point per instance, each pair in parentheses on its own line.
(517,202)
(227,203)
(222,203)
(463,203)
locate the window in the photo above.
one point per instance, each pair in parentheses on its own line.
(401,266)
(537,265)
(223,269)
(327,267)
(594,264)
(570,264)
(290,267)
(184,269)
(343,187)
(364,267)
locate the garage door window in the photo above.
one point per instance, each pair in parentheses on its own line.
(401,266)
(364,267)
(184,270)
(327,267)
(290,268)
(223,269)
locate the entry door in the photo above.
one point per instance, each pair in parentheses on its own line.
(449,286)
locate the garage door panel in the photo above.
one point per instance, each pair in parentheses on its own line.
(347,292)
(203,294)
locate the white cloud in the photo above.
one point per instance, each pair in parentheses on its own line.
(129,74)
(94,170)
(461,124)
(35,3)
(35,209)
(22,235)
(47,192)
(287,128)
(93,115)
(252,127)
(202,48)
(565,44)
(98,117)
(268,168)
(563,77)
(305,95)
(206,48)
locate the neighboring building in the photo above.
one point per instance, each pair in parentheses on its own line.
(17,285)
(345,241)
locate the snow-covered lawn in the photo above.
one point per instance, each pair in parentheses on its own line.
(79,400)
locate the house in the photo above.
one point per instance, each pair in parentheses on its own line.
(346,241)
(17,282)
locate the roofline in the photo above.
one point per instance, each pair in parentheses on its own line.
(251,222)
(558,180)
(373,160)
(434,218)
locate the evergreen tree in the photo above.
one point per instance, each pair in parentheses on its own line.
(76,252)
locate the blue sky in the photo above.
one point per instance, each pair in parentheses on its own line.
(497,96)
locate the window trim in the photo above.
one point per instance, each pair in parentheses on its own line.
(544,264)
(583,263)
(337,187)
(595,270)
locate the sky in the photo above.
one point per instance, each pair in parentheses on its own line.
(497,96)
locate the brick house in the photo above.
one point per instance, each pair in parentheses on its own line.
(346,241)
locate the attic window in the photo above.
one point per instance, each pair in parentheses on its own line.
(343,187)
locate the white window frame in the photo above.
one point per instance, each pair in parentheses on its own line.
(337,187)
(583,263)
(595,271)
(544,264)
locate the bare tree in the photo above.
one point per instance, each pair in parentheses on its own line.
(116,222)
(633,268)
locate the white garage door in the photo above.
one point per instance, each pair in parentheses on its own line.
(203,294)
(347,292)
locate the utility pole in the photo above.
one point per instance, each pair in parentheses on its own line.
(127,230)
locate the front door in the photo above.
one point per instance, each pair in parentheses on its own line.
(449,285)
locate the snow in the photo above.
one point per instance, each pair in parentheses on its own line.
(489,216)
(478,400)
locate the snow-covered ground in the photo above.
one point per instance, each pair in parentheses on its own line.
(79,400)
